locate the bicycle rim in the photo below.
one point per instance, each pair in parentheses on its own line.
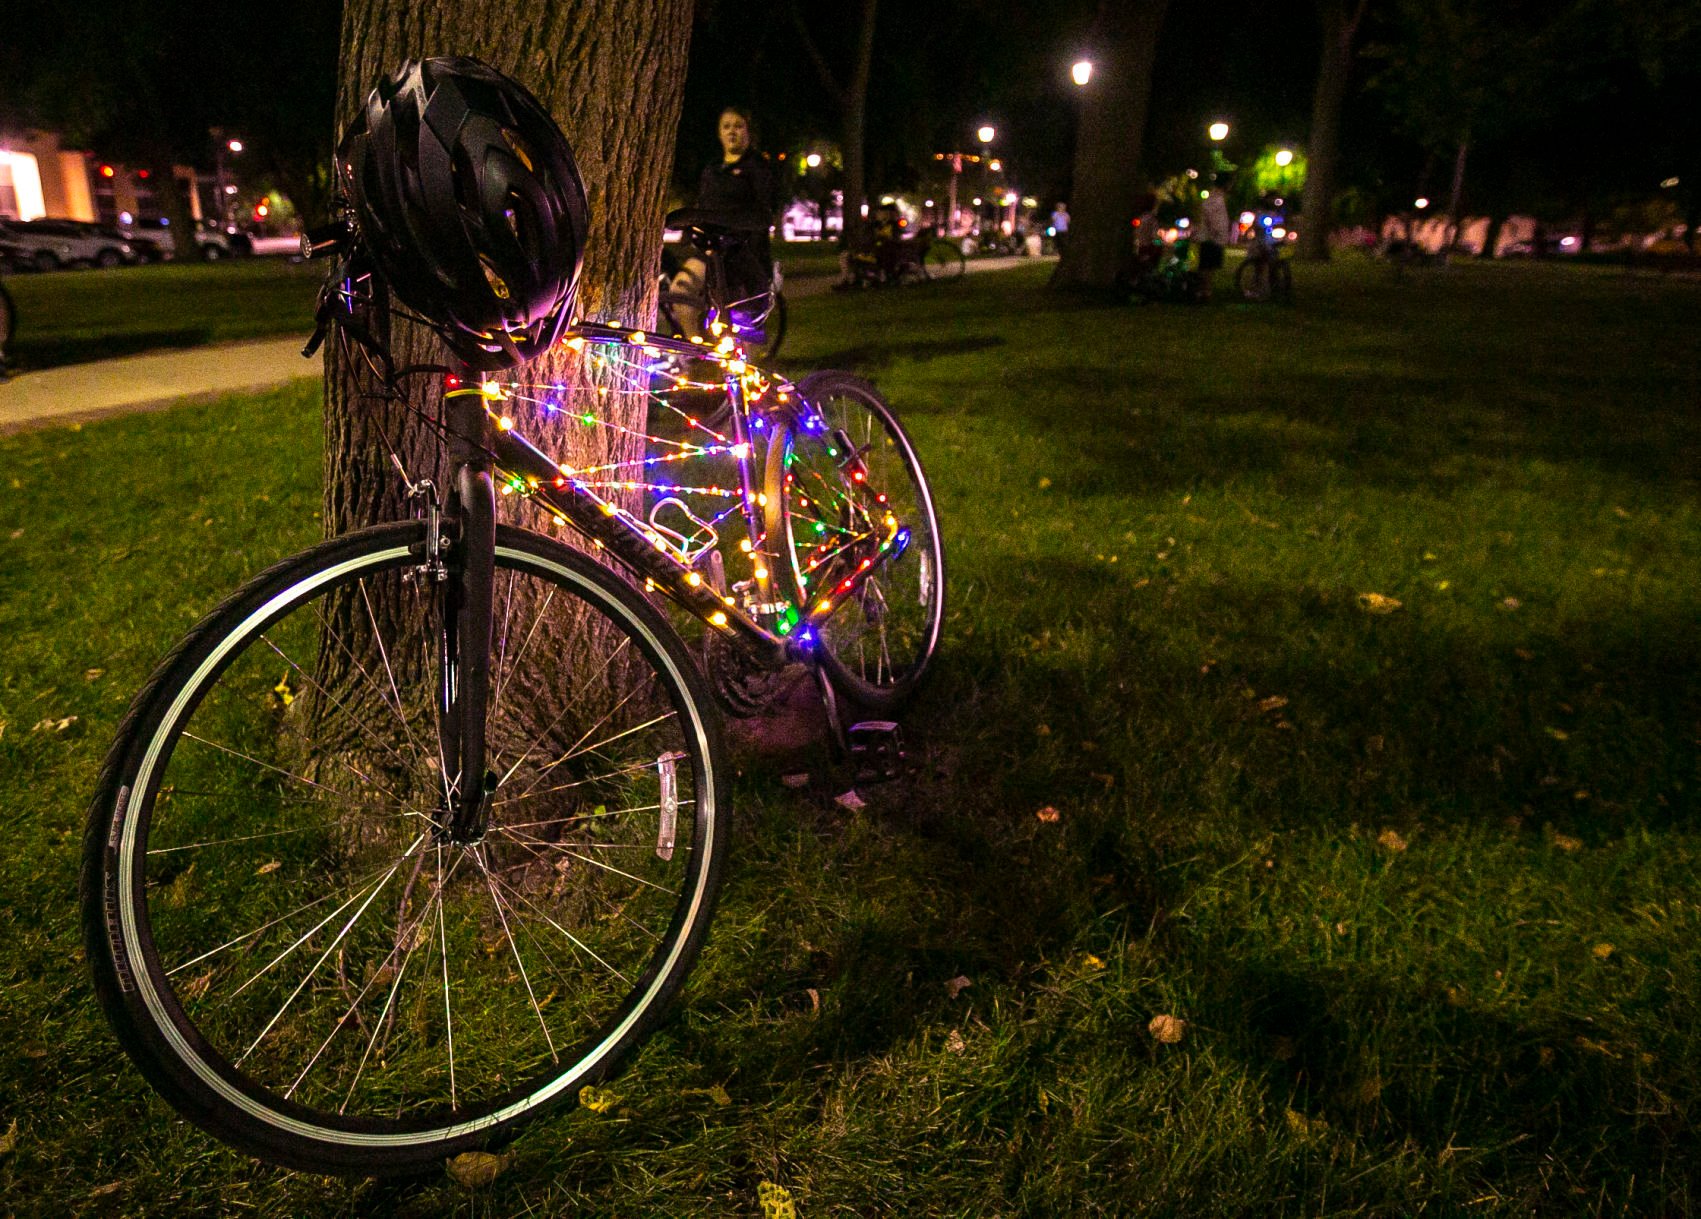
(290,949)
(878,644)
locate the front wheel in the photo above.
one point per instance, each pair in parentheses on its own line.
(942,260)
(288,941)
(824,520)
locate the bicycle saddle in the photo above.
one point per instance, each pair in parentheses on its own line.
(716,223)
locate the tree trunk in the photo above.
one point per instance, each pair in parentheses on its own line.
(613,75)
(852,99)
(1456,199)
(1108,180)
(1496,222)
(1340,20)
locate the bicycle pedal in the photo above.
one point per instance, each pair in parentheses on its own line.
(876,749)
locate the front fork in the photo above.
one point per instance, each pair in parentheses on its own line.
(463,628)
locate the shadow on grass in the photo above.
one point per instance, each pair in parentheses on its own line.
(869,357)
(57,352)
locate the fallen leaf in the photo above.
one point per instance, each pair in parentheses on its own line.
(795,781)
(1510,603)
(475,1169)
(953,1042)
(1621,513)
(93,674)
(1167,1029)
(1376,603)
(54,725)
(850,800)
(814,999)
(597,1100)
(1442,586)
(1049,815)
(1429,556)
(1523,653)
(1306,1127)
(1565,842)
(1042,730)
(1391,840)
(1044,483)
(1274,702)
(719,1095)
(268,867)
(957,985)
(775,1201)
(1092,962)
(1559,734)
(285,694)
(1603,951)
(111,1187)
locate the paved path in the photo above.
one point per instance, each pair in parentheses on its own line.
(79,392)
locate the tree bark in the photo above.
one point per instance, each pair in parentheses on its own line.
(1340,20)
(1108,179)
(613,76)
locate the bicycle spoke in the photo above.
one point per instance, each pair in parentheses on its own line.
(323,957)
(565,849)
(501,913)
(568,935)
(550,727)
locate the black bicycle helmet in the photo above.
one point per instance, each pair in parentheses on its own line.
(467,197)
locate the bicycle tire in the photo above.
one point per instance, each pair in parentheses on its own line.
(1252,281)
(942,260)
(216,840)
(876,647)
(773,329)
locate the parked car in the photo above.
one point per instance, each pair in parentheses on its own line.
(51,244)
(161,242)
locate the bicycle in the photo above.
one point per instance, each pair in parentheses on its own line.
(1162,274)
(417,834)
(918,259)
(1264,275)
(759,321)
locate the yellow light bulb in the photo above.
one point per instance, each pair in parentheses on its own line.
(693,579)
(761,573)
(717,619)
(505,424)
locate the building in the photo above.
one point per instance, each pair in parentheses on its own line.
(38,177)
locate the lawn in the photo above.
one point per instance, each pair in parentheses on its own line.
(73,316)
(1305,812)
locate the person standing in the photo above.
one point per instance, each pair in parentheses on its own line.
(1214,232)
(1060,225)
(741,181)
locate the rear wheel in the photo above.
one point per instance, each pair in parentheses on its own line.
(284,936)
(824,521)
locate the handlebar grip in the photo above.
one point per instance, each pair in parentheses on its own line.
(333,238)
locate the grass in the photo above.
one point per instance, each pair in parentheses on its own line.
(73,316)
(1421,884)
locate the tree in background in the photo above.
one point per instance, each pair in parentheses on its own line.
(1108,180)
(1340,21)
(850,99)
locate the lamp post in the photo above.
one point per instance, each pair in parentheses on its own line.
(223,145)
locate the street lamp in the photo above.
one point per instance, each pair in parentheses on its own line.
(1420,202)
(1284,157)
(1082,72)
(813,160)
(1218,132)
(986,134)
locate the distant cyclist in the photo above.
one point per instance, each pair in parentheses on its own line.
(741,181)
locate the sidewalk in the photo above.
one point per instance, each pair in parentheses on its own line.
(81,392)
(78,392)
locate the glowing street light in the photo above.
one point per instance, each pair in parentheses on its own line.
(234,145)
(1082,71)
(813,160)
(1421,202)
(1284,157)
(986,133)
(1218,131)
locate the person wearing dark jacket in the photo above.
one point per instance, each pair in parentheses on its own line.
(741,181)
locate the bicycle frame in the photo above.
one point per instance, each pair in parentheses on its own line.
(487,446)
